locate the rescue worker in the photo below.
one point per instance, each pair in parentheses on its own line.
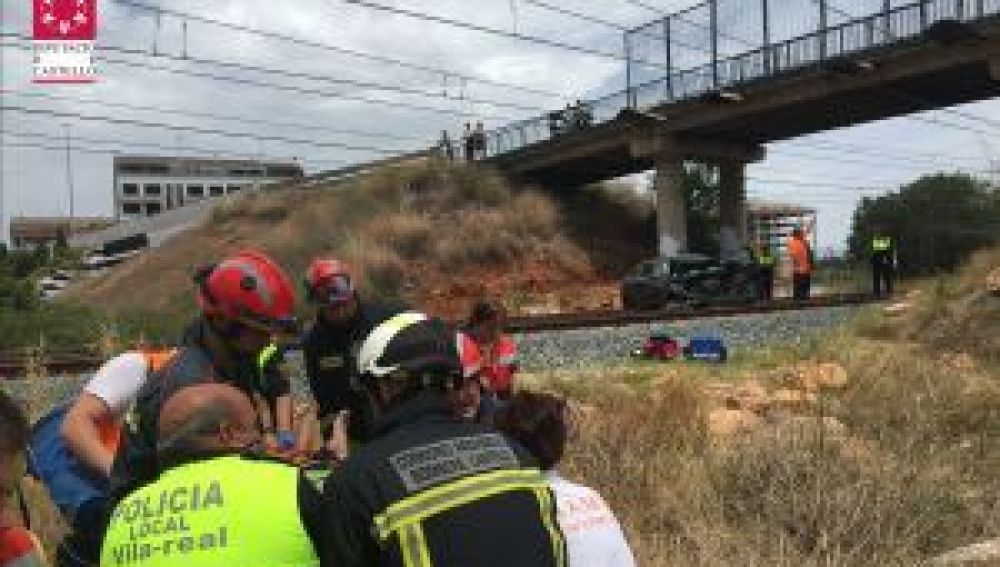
(765,269)
(429,489)
(800,253)
(206,505)
(499,351)
(18,546)
(467,397)
(330,345)
(274,400)
(883,259)
(73,447)
(245,300)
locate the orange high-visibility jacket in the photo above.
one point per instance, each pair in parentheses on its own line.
(798,251)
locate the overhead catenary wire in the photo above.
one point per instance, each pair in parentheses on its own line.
(194,129)
(300,90)
(213,116)
(187,16)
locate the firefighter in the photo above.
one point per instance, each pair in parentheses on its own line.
(765,270)
(883,258)
(330,345)
(428,488)
(245,301)
(802,264)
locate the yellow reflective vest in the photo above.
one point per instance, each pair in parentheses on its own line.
(881,244)
(222,511)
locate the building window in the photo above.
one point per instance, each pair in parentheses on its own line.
(234,188)
(196,190)
(130,188)
(152,189)
(131,208)
(216,190)
(153,208)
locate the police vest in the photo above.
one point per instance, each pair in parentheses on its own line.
(881,244)
(224,511)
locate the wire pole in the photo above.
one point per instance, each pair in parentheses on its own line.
(69,174)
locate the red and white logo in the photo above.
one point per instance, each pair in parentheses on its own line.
(64,32)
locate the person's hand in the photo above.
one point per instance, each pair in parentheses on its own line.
(338,443)
(285,440)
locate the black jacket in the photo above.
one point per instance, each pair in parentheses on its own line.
(331,357)
(135,463)
(420,446)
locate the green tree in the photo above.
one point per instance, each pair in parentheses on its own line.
(936,221)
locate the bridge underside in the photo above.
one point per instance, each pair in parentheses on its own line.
(918,75)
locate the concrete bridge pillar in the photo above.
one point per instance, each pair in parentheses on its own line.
(732,207)
(671,221)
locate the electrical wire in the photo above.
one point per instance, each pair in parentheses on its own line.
(187,16)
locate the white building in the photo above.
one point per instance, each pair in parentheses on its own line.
(148,185)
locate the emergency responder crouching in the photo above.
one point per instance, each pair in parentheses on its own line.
(883,258)
(214,503)
(429,489)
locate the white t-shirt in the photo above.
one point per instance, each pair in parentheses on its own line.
(594,538)
(119,380)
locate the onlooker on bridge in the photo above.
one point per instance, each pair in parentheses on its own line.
(469,143)
(479,141)
(18,546)
(802,263)
(447,150)
(594,538)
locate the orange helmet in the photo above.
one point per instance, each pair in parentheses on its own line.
(248,288)
(329,281)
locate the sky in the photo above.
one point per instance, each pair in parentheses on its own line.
(152,84)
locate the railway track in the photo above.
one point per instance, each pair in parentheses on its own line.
(77,362)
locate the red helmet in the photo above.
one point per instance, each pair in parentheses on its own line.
(329,281)
(249,288)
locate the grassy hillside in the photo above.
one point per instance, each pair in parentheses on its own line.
(438,235)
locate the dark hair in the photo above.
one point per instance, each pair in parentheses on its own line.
(537,421)
(484,311)
(14,429)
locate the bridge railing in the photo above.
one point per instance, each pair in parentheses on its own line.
(683,38)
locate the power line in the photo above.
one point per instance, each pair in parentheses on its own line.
(233,65)
(483,29)
(212,116)
(187,16)
(300,90)
(195,129)
(106,141)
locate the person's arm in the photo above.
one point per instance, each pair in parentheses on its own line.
(104,399)
(82,435)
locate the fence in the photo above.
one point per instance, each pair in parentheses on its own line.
(720,44)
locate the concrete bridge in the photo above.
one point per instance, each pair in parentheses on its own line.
(685,100)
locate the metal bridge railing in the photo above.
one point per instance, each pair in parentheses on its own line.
(673,84)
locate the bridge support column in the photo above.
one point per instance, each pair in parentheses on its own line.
(732,207)
(671,220)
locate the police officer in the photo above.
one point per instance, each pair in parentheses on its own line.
(330,345)
(883,258)
(213,504)
(765,270)
(429,489)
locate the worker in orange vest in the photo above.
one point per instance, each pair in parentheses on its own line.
(802,263)
(499,351)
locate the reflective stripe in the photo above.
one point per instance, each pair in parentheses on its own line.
(265,356)
(406,516)
(765,260)
(453,495)
(881,243)
(544,496)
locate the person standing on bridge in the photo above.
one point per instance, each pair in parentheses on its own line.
(801,256)
(217,500)
(883,259)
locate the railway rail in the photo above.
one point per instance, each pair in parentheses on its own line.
(78,362)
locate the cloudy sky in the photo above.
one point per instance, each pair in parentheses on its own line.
(350,108)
